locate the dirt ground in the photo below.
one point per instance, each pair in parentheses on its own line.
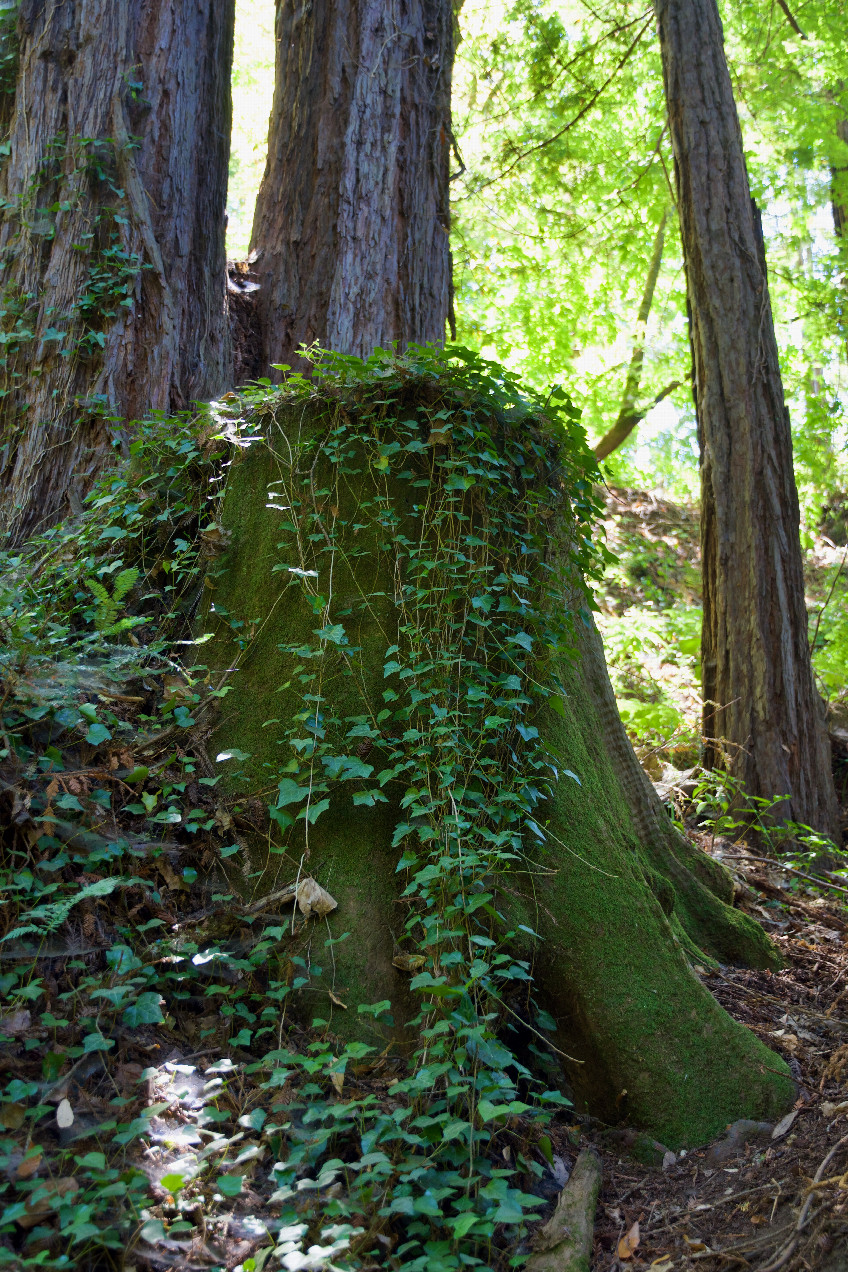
(762,1197)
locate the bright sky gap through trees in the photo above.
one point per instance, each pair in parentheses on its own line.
(550,258)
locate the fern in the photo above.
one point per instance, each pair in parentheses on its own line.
(105,618)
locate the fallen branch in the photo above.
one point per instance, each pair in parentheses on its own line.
(565,1242)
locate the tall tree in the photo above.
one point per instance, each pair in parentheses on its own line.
(352,220)
(763,718)
(112,260)
(625,896)
(629,415)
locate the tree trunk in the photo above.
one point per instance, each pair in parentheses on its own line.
(628,416)
(351,225)
(622,904)
(763,718)
(839,188)
(112,261)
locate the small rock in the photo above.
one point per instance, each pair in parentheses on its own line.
(738,1135)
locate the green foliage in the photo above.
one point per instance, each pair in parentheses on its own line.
(561,120)
(107,606)
(458,751)
(9,45)
(450,481)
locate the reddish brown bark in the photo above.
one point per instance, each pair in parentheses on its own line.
(112,240)
(763,717)
(351,226)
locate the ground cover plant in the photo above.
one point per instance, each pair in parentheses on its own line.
(144,934)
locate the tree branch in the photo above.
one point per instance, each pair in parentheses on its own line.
(628,416)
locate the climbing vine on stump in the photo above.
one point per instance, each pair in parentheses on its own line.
(418,693)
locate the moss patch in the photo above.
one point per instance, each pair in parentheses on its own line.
(316,623)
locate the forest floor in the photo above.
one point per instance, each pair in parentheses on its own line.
(131,1017)
(761,1197)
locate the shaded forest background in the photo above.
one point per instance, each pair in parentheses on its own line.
(553,238)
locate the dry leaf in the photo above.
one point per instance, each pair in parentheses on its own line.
(312,899)
(409,962)
(29,1165)
(64,1115)
(45,1199)
(17,1022)
(52,790)
(662,1264)
(629,1243)
(337,1001)
(784,1124)
(169,874)
(337,1080)
(12,1116)
(697,1247)
(439,436)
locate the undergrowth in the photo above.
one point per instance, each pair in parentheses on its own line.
(127,955)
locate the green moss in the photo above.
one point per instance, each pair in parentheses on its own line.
(655,1048)
(348,849)
(612,964)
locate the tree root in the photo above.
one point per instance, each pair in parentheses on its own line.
(565,1242)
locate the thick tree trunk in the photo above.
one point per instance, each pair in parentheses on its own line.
(623,904)
(763,718)
(351,226)
(112,261)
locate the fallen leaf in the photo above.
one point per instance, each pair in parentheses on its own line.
(784,1124)
(828,1108)
(312,899)
(17,1022)
(337,1080)
(12,1116)
(64,1115)
(44,1200)
(629,1243)
(409,962)
(663,1263)
(337,1001)
(29,1165)
(696,1247)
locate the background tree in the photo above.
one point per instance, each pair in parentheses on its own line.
(112,265)
(763,718)
(352,219)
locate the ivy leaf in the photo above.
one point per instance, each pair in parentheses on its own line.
(315,811)
(229,1185)
(462,1224)
(146,1010)
(97,733)
(290,793)
(335,634)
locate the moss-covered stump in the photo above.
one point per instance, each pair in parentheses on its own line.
(418,693)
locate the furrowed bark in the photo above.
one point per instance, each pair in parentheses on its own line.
(352,220)
(763,718)
(112,261)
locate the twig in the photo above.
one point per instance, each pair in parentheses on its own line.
(829,595)
(770,861)
(785,1254)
